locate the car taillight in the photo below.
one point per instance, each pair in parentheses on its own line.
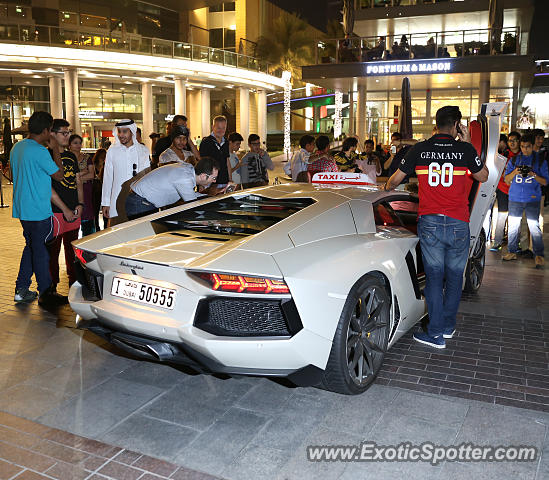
(83,255)
(243,283)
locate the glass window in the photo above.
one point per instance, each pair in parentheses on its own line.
(160,104)
(112,101)
(216,8)
(91,100)
(19,11)
(461,97)
(385,216)
(68,18)
(406,211)
(216,38)
(230,39)
(229,6)
(93,21)
(132,102)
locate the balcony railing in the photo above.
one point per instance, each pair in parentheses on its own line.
(396,3)
(456,43)
(128,43)
(299,93)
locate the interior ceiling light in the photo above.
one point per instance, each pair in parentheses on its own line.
(26,71)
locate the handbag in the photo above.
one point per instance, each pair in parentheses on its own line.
(62,225)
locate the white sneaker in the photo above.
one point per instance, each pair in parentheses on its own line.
(24,295)
(449,335)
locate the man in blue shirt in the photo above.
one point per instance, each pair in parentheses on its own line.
(526,173)
(33,168)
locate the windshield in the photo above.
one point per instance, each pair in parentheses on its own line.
(235,215)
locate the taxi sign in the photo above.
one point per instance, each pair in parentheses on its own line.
(341,178)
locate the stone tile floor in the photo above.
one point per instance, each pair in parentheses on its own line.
(73,407)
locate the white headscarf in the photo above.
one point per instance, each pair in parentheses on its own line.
(126,123)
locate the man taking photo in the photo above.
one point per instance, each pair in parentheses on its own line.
(441,165)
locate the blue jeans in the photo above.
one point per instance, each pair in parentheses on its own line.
(532,216)
(88,227)
(444,245)
(503,210)
(137,206)
(35,258)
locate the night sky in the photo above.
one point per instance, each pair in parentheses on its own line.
(315,12)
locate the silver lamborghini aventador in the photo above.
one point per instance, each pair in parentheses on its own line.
(314,282)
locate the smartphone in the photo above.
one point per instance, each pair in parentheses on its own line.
(393,149)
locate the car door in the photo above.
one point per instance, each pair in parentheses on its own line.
(485,133)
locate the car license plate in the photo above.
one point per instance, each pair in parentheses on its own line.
(143,292)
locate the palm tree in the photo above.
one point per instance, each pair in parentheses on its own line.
(334,32)
(287,45)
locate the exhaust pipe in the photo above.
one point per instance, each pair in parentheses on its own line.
(139,346)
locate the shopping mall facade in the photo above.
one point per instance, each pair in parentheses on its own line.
(447,52)
(97,62)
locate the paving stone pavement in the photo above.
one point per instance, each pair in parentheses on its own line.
(73,407)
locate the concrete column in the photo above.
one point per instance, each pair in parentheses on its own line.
(56,97)
(72,99)
(316,118)
(244,109)
(361,114)
(194,109)
(180,96)
(389,39)
(351,113)
(147,104)
(17,116)
(514,108)
(262,115)
(484,89)
(206,120)
(428,118)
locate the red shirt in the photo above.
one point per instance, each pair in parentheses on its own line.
(501,184)
(441,165)
(322,163)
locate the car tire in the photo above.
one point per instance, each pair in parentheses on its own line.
(475,265)
(360,340)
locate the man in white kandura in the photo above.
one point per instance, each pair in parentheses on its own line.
(125,159)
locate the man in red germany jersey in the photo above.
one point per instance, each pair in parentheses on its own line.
(441,164)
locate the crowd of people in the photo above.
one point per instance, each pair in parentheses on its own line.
(314,156)
(399,50)
(522,191)
(59,191)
